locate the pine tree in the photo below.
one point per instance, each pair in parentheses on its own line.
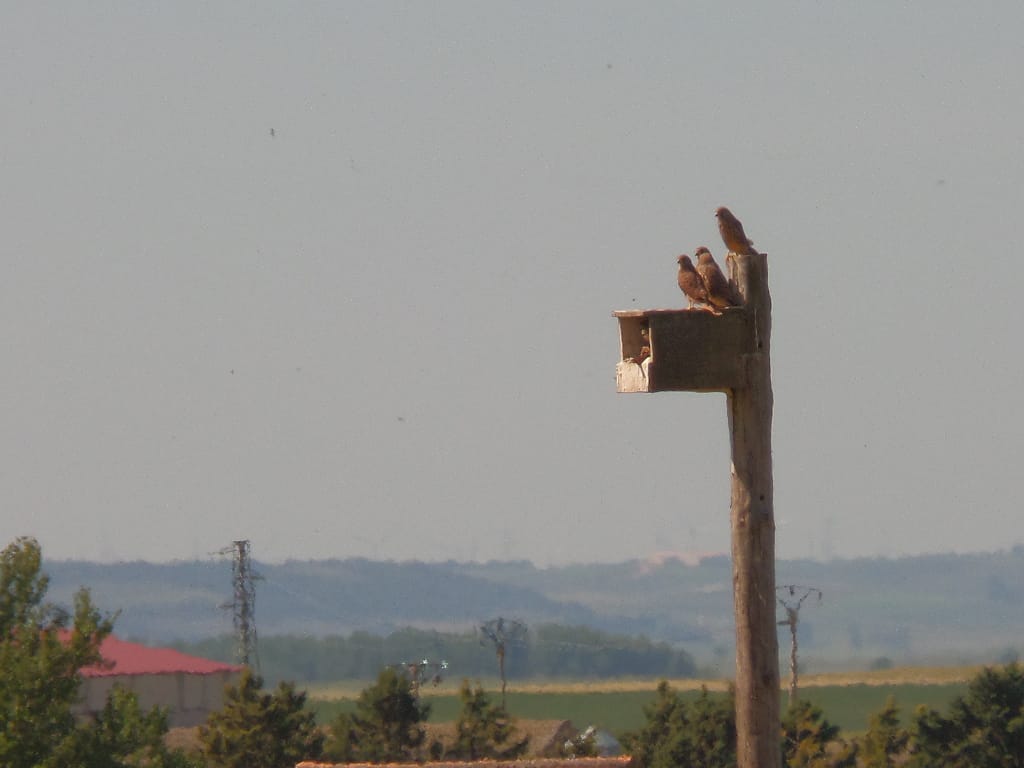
(121,736)
(811,741)
(261,730)
(676,733)
(340,746)
(483,730)
(385,726)
(885,742)
(984,729)
(713,728)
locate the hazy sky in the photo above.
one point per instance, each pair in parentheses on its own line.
(338,277)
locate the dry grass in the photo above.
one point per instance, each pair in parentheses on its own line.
(545,736)
(184,738)
(331,691)
(895,676)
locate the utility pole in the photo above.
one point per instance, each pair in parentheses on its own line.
(501,633)
(420,672)
(791,603)
(697,351)
(243,604)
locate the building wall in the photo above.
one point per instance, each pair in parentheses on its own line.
(188,698)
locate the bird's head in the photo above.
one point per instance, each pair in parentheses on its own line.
(722,211)
(684,261)
(701,251)
(706,257)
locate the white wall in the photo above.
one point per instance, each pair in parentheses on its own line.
(188,698)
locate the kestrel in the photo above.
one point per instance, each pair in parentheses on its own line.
(690,282)
(733,236)
(645,350)
(719,291)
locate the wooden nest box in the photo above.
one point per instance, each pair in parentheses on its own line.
(693,349)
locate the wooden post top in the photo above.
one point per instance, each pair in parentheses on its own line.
(693,350)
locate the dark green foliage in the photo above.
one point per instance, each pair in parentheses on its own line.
(984,728)
(703,732)
(811,741)
(261,730)
(676,733)
(39,677)
(713,727)
(580,652)
(550,651)
(484,730)
(885,742)
(340,746)
(42,649)
(121,736)
(385,726)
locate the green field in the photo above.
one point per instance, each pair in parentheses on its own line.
(850,706)
(847,706)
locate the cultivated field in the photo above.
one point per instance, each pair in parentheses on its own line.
(848,699)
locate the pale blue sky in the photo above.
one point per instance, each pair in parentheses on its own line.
(385,330)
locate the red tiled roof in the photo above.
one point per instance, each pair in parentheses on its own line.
(545,762)
(126,658)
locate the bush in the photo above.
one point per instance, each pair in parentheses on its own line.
(385,726)
(985,727)
(261,730)
(676,733)
(484,730)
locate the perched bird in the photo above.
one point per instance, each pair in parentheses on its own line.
(645,352)
(690,282)
(733,236)
(645,349)
(719,291)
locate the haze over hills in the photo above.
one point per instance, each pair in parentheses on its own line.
(913,609)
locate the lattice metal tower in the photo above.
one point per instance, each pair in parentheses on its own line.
(244,605)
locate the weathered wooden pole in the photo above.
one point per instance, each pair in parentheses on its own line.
(753,530)
(697,351)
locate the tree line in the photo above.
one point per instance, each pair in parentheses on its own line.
(43,647)
(984,728)
(548,651)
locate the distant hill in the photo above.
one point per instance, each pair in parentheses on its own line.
(937,607)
